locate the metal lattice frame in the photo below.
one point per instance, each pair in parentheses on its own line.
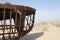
(15,22)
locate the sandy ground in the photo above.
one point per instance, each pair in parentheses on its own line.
(45,32)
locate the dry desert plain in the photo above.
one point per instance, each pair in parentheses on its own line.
(48,30)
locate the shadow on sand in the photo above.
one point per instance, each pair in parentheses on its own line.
(32,36)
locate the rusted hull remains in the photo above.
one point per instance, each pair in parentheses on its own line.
(15,21)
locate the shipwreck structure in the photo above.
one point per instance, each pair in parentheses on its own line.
(15,21)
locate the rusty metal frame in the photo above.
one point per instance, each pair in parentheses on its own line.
(18,14)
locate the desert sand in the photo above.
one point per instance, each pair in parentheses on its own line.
(44,31)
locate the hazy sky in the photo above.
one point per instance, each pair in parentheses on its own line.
(45,9)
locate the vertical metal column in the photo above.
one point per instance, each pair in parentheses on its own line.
(21,28)
(3,24)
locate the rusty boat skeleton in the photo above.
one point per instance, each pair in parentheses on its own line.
(15,21)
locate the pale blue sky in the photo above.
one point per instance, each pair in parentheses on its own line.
(46,10)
